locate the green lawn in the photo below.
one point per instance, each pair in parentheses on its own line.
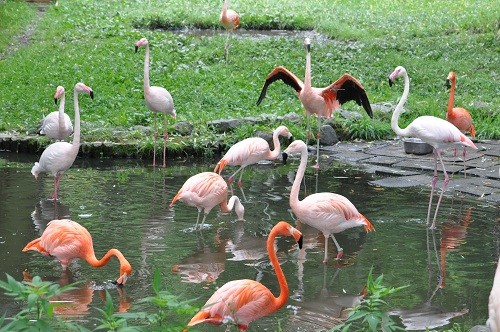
(93,42)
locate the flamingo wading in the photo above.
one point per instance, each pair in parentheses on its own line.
(68,240)
(158,100)
(59,156)
(328,212)
(432,130)
(243,301)
(320,101)
(57,125)
(206,190)
(459,116)
(250,151)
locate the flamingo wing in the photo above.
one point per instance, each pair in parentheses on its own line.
(345,89)
(247,152)
(202,190)
(65,238)
(281,73)
(57,157)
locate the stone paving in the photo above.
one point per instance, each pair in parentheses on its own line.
(399,169)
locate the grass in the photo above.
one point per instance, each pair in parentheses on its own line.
(365,38)
(14,16)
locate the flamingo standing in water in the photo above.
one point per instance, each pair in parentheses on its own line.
(459,116)
(158,100)
(493,322)
(57,125)
(206,190)
(319,101)
(243,301)
(250,151)
(68,240)
(432,130)
(230,20)
(330,213)
(59,156)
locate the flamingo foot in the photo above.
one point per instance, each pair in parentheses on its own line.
(316,166)
(340,254)
(240,184)
(230,180)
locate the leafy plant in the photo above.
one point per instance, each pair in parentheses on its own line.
(370,315)
(112,321)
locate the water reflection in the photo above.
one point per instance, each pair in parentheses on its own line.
(75,303)
(47,210)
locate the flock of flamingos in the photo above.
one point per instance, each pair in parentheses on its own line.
(243,301)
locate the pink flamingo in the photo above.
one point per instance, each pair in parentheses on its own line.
(59,156)
(250,151)
(493,322)
(68,240)
(459,116)
(320,101)
(330,213)
(243,301)
(206,190)
(230,20)
(57,125)
(158,100)
(434,131)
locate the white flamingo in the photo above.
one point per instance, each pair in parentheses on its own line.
(57,125)
(434,131)
(59,156)
(158,100)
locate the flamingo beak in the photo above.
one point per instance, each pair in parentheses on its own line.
(55,100)
(284,155)
(390,82)
(300,242)
(448,83)
(136,48)
(91,94)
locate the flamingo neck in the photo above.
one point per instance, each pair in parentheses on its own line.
(294,193)
(61,115)
(228,207)
(307,78)
(277,146)
(283,296)
(92,260)
(451,101)
(76,133)
(399,108)
(146,70)
(224,9)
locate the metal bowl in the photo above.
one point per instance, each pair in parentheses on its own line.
(417,146)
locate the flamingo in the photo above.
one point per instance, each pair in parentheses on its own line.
(57,125)
(250,151)
(319,101)
(68,240)
(493,322)
(328,212)
(459,116)
(245,300)
(432,130)
(206,190)
(158,100)
(59,156)
(230,20)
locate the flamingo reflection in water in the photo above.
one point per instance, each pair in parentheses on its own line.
(76,302)
(47,210)
(427,316)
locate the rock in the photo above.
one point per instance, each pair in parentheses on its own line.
(349,114)
(225,125)
(183,128)
(328,136)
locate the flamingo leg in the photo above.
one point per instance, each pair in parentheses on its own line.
(317,143)
(340,251)
(155,136)
(203,220)
(227,46)
(231,178)
(165,139)
(57,179)
(434,181)
(308,130)
(465,168)
(445,184)
(325,259)
(197,219)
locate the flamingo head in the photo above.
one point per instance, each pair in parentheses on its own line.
(125,272)
(295,147)
(452,77)
(141,42)
(399,71)
(283,131)
(59,93)
(307,42)
(82,88)
(285,229)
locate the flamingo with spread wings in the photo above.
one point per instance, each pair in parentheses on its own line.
(243,301)
(319,101)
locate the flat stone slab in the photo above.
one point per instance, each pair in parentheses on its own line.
(383,160)
(428,165)
(351,156)
(492,172)
(384,170)
(494,198)
(403,181)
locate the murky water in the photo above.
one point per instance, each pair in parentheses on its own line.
(125,205)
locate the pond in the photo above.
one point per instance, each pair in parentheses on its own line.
(125,204)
